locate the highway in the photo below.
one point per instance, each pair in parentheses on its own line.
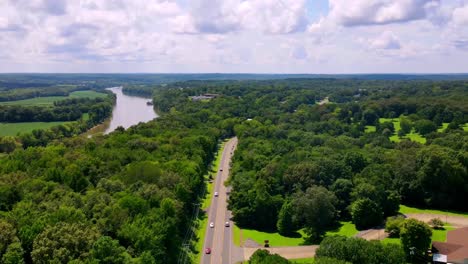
(219,238)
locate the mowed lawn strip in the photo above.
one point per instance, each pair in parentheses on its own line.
(49,100)
(413,210)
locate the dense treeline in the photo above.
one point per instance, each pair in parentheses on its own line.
(122,198)
(304,165)
(63,110)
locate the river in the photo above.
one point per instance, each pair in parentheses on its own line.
(129,110)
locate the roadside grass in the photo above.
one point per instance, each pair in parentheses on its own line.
(12,129)
(237,235)
(303,261)
(202,222)
(413,210)
(275,239)
(49,100)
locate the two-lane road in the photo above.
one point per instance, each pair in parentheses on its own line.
(219,238)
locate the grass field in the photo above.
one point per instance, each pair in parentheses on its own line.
(413,136)
(412,210)
(347,229)
(465,127)
(49,100)
(276,240)
(302,261)
(12,129)
(370,129)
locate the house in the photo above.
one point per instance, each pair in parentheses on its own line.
(203,97)
(455,250)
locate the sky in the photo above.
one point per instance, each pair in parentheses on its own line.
(234,36)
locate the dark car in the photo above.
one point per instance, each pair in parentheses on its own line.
(207,250)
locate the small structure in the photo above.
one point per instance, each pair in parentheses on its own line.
(207,96)
(455,250)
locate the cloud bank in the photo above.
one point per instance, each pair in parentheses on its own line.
(267,36)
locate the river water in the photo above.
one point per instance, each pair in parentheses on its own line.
(129,110)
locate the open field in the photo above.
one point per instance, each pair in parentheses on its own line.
(12,129)
(370,129)
(443,127)
(49,100)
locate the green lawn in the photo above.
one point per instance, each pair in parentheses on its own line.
(276,240)
(49,100)
(437,235)
(12,129)
(370,129)
(441,234)
(412,210)
(302,261)
(443,127)
(347,229)
(413,136)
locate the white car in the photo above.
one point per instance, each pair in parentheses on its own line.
(216,194)
(211,224)
(226,224)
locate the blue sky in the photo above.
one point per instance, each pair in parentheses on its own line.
(251,36)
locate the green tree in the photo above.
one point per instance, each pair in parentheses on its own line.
(8,144)
(285,223)
(366,213)
(425,127)
(315,210)
(7,235)
(327,260)
(108,250)
(416,238)
(13,254)
(393,226)
(262,256)
(64,242)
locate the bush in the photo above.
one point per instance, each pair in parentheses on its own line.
(415,238)
(393,225)
(436,223)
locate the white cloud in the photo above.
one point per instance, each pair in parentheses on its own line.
(387,40)
(379,12)
(233,35)
(218,17)
(460,15)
